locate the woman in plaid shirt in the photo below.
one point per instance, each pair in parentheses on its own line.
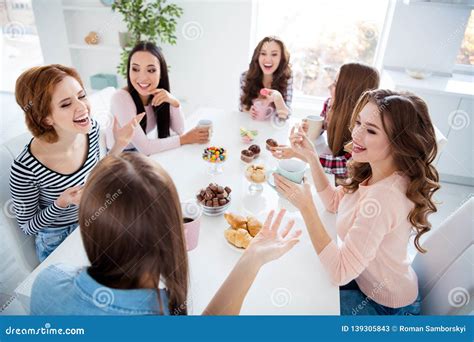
(352,80)
(268,80)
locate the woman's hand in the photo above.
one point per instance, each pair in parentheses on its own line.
(123,135)
(270,94)
(198,135)
(285,152)
(70,196)
(301,144)
(298,195)
(161,95)
(253,112)
(270,244)
(305,126)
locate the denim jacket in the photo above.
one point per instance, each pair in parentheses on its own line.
(66,290)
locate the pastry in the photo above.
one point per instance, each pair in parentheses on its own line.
(255,149)
(271,144)
(256,173)
(242,230)
(348,147)
(246,156)
(248,135)
(239,238)
(236,221)
(253,225)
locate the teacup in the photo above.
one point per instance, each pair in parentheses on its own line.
(263,109)
(292,169)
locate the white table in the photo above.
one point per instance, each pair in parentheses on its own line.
(295,284)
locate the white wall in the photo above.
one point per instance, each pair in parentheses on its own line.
(51,28)
(211,52)
(425,35)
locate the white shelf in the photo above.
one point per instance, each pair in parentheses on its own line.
(457,85)
(88,8)
(114,48)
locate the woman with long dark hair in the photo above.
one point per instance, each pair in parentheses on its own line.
(148,90)
(268,84)
(352,80)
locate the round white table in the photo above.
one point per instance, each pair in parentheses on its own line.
(296,284)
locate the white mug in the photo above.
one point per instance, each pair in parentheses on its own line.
(315,125)
(206,123)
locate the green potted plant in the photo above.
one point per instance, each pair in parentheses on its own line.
(146,20)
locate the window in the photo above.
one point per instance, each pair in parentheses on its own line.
(322,35)
(20,45)
(466,52)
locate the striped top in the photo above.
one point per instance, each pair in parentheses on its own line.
(34,188)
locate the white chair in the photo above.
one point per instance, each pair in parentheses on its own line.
(17,250)
(441,141)
(445,272)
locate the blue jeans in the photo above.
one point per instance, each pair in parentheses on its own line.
(48,239)
(354,302)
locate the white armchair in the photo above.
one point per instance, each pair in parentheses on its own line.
(445,273)
(17,250)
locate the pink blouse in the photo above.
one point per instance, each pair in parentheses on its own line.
(124,109)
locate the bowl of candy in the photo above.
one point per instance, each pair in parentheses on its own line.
(214,199)
(215,157)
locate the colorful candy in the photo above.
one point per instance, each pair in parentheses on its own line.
(214,154)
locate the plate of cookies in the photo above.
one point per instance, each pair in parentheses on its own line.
(214,199)
(241,231)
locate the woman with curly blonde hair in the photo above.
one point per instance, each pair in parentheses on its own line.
(387,196)
(267,86)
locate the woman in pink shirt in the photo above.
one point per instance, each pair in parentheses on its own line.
(388,196)
(148,90)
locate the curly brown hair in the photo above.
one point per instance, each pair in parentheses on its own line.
(34,91)
(413,145)
(254,77)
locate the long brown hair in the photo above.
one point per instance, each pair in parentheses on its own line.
(254,77)
(353,80)
(34,91)
(132,227)
(413,146)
